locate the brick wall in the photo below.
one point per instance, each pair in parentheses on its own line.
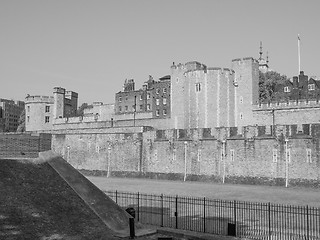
(23,145)
(235,155)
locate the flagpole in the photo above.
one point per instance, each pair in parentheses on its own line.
(299,52)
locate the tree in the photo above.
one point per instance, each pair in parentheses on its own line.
(83,106)
(267,84)
(22,122)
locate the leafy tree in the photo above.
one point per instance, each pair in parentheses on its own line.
(83,106)
(267,84)
(22,122)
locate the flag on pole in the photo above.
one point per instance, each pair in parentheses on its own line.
(299,63)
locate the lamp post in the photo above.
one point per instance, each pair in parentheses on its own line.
(273,122)
(134,111)
(287,162)
(109,160)
(68,153)
(185,161)
(224,160)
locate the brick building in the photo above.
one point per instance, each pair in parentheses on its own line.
(153,98)
(9,114)
(301,87)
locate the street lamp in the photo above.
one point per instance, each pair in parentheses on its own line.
(287,162)
(109,160)
(185,161)
(223,153)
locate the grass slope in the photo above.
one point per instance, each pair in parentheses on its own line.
(35,203)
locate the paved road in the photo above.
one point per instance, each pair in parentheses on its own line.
(253,193)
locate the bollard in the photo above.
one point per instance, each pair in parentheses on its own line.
(131,225)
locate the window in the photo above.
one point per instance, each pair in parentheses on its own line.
(198,87)
(28,108)
(28,118)
(141,106)
(199,154)
(148,107)
(126,108)
(120,109)
(47,118)
(157,91)
(286,89)
(288,155)
(164,101)
(126,97)
(157,112)
(141,97)
(274,155)
(120,99)
(232,155)
(148,95)
(309,158)
(311,87)
(241,116)
(157,101)
(164,111)
(47,108)
(134,108)
(164,90)
(241,99)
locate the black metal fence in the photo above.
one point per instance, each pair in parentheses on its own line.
(222,217)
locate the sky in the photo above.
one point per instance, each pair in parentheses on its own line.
(92,46)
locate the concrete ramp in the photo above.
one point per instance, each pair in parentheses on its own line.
(114,217)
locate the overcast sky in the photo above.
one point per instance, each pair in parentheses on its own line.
(91,47)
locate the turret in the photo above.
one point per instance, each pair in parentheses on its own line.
(247,90)
(59,102)
(73,103)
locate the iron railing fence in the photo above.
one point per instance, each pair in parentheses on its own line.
(223,217)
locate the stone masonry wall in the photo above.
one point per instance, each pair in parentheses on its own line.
(231,155)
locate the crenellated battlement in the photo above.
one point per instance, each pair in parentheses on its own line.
(210,70)
(221,70)
(189,66)
(291,104)
(244,60)
(71,94)
(38,98)
(59,90)
(249,133)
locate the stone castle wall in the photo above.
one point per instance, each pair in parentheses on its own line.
(231,155)
(290,112)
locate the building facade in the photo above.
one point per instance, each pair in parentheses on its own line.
(192,96)
(207,97)
(153,98)
(10,112)
(39,110)
(301,87)
(42,110)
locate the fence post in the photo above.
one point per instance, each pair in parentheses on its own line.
(161,210)
(176,213)
(269,217)
(307,222)
(204,214)
(235,216)
(39,144)
(116,196)
(138,207)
